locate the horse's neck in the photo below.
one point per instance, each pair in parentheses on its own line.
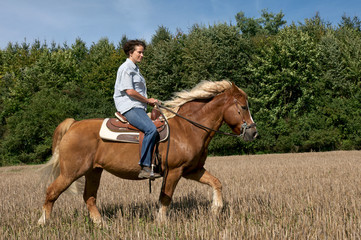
(207,113)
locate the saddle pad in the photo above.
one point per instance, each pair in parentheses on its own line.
(127,136)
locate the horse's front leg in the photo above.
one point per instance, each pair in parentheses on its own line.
(170,182)
(203,176)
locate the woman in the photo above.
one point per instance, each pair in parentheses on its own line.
(130,97)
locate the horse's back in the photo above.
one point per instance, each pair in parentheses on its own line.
(82,147)
(82,133)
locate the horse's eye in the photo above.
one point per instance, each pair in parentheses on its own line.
(244,107)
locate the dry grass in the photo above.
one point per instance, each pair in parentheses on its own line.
(280,196)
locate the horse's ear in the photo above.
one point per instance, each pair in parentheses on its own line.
(234,87)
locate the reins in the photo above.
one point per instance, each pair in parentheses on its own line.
(166,156)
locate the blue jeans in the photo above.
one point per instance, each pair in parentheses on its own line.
(139,119)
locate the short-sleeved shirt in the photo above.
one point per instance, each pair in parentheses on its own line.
(129,77)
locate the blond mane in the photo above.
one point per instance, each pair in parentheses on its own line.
(203,90)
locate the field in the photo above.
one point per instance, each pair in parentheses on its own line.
(278,196)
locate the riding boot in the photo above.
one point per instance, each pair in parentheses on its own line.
(146,172)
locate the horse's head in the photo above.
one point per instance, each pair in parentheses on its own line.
(237,114)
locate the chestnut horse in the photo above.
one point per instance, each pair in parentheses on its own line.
(79,151)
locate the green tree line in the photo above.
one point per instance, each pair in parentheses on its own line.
(303,82)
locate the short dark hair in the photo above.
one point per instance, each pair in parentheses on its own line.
(129,46)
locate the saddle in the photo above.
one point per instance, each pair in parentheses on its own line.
(120,130)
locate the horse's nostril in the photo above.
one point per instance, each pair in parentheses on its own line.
(255,134)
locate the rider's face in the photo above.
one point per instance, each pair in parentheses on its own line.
(137,55)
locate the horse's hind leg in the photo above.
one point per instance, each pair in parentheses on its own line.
(92,180)
(60,184)
(203,176)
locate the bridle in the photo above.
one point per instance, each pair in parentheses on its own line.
(244,126)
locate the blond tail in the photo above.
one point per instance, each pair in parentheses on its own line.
(51,169)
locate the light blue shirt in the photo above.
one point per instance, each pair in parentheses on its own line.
(129,77)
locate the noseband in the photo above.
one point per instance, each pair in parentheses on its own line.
(244,125)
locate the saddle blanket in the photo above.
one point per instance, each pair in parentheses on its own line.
(129,135)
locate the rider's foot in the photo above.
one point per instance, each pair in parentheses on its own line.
(146,172)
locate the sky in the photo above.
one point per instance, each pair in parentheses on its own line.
(63,21)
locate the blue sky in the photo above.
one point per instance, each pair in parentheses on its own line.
(64,21)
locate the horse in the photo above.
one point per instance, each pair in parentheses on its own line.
(78,150)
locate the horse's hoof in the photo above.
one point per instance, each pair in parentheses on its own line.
(41,222)
(216,210)
(42,219)
(161,217)
(98,222)
(100,225)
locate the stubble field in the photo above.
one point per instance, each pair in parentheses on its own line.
(278,196)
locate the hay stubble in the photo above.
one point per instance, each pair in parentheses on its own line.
(278,196)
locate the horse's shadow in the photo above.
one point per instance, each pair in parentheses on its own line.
(186,206)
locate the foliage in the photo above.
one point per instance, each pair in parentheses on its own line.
(162,34)
(303,82)
(39,94)
(347,22)
(268,24)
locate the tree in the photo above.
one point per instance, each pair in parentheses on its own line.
(268,24)
(100,68)
(161,34)
(248,26)
(163,67)
(123,41)
(316,27)
(347,22)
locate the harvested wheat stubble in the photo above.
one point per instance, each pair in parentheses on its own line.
(278,196)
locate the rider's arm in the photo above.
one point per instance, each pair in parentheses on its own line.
(134,94)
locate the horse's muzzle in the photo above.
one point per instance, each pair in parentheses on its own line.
(250,132)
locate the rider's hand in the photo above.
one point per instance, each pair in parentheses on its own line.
(152,101)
